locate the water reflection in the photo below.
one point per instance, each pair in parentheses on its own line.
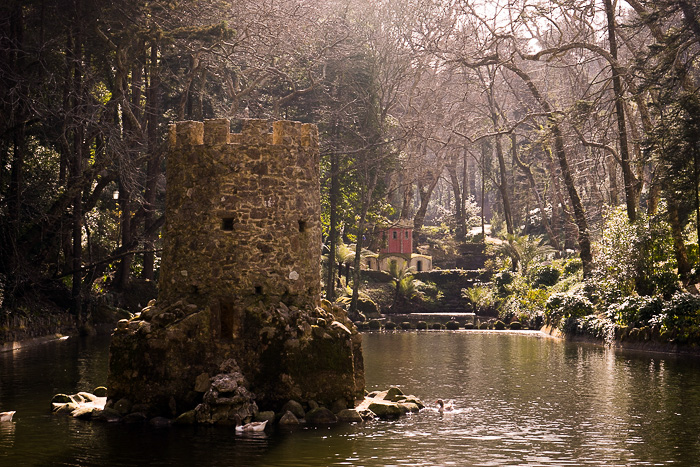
(518,400)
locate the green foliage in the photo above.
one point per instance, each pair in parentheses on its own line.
(480,296)
(572,266)
(680,316)
(523,250)
(430,291)
(591,325)
(635,311)
(402,278)
(503,279)
(634,257)
(545,276)
(421,325)
(562,306)
(452,325)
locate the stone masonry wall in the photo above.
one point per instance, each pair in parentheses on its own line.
(243,217)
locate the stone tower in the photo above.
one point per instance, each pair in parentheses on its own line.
(239,287)
(243,215)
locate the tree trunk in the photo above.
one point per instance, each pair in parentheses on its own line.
(678,243)
(333,228)
(628,176)
(461,227)
(357,263)
(425,192)
(154,160)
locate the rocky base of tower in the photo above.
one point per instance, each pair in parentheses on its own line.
(170,359)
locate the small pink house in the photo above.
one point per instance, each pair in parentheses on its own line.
(396,246)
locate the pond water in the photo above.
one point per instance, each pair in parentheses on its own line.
(519,399)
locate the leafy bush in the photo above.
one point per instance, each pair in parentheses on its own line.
(515,326)
(545,276)
(634,257)
(390,325)
(572,266)
(680,316)
(635,311)
(406,325)
(502,279)
(430,290)
(421,325)
(499,325)
(567,305)
(436,326)
(375,324)
(480,296)
(452,325)
(591,325)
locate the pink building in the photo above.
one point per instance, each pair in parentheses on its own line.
(397,247)
(397,239)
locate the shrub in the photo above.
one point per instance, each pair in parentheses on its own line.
(406,325)
(499,325)
(681,317)
(572,266)
(421,325)
(567,305)
(635,311)
(515,326)
(436,326)
(375,324)
(430,290)
(469,326)
(452,325)
(390,325)
(545,276)
(502,279)
(480,296)
(484,325)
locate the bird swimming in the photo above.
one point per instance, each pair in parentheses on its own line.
(252,426)
(444,407)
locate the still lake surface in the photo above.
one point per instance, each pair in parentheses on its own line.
(519,399)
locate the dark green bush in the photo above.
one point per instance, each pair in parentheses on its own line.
(515,325)
(469,326)
(421,325)
(499,325)
(572,266)
(681,317)
(452,325)
(635,311)
(406,325)
(567,305)
(545,276)
(502,279)
(375,324)
(436,326)
(390,325)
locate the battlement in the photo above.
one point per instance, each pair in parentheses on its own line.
(215,131)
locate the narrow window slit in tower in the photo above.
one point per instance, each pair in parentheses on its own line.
(227,224)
